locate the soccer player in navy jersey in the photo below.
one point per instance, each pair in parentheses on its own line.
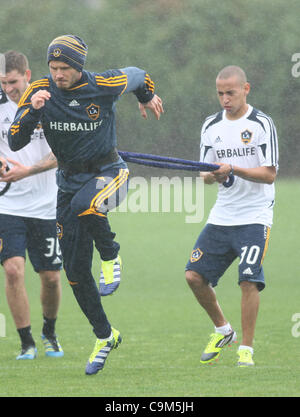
(77,112)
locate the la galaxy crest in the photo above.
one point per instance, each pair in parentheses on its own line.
(196,255)
(246,136)
(57,52)
(93,111)
(59,230)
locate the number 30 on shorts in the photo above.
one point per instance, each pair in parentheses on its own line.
(52,247)
(250,255)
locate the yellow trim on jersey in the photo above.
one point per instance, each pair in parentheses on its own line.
(16,128)
(14,131)
(24,114)
(125,84)
(116,81)
(106,192)
(35,85)
(78,86)
(266,245)
(149,83)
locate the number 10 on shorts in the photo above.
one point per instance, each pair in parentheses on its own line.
(250,255)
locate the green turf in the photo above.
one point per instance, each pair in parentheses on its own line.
(164,330)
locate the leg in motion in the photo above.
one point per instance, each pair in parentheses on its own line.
(249,311)
(50,300)
(19,305)
(76,243)
(206,296)
(92,204)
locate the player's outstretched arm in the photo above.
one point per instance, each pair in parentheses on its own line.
(140,83)
(19,171)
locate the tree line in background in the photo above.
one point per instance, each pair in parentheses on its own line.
(182,45)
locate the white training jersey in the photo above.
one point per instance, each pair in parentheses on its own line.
(248,142)
(34,196)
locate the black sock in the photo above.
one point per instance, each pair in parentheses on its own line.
(48,327)
(26,337)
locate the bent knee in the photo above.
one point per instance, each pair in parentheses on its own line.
(248,287)
(14,269)
(51,279)
(193,277)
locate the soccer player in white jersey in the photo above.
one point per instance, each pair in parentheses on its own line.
(27,217)
(243,141)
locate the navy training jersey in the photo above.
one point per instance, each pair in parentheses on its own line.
(79,123)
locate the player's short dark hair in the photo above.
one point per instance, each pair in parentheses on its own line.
(16,61)
(232,70)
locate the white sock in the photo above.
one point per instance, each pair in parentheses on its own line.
(224,329)
(108,338)
(246,347)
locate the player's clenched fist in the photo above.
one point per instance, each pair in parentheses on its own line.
(38,99)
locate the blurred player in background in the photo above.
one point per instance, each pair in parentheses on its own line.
(27,216)
(77,110)
(243,141)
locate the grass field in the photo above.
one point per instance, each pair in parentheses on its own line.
(164,330)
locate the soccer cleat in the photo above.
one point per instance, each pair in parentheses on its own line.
(52,346)
(27,353)
(245,358)
(215,345)
(110,276)
(101,350)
